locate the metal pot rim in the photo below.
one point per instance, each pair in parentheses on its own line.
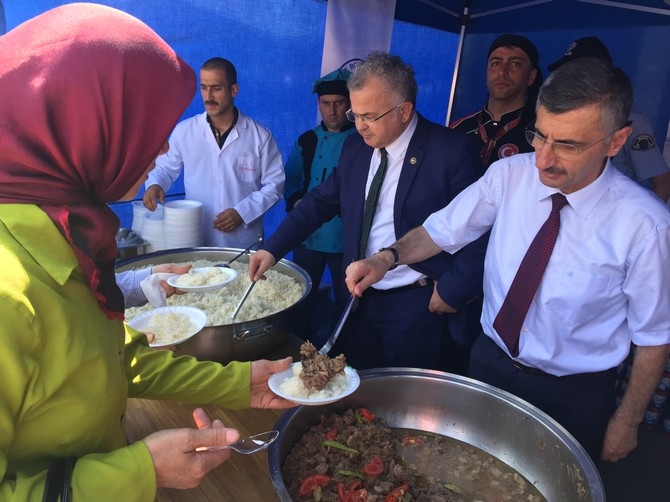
(581,458)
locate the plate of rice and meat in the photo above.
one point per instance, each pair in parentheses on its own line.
(203,279)
(316,379)
(170,325)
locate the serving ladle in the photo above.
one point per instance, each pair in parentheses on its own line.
(247,445)
(244,299)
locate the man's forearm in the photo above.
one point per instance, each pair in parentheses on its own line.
(645,375)
(415,246)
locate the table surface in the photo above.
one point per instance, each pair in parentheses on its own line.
(242,477)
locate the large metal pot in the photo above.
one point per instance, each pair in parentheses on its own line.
(240,341)
(486,417)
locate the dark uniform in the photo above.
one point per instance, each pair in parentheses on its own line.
(502,138)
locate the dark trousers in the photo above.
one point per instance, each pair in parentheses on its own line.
(457,344)
(392,329)
(314,263)
(454,357)
(318,313)
(581,403)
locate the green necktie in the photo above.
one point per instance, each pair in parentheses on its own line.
(371,203)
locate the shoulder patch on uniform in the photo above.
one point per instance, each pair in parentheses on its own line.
(643,142)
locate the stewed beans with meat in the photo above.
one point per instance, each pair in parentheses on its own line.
(355,456)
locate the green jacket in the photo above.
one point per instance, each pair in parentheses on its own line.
(67,370)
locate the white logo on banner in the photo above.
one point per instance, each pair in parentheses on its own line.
(354,28)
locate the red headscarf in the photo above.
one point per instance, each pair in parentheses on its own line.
(89,96)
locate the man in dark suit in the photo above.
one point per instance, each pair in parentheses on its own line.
(400,321)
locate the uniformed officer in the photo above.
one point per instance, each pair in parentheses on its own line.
(640,158)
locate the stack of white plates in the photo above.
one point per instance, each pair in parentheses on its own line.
(138,215)
(152,231)
(182,223)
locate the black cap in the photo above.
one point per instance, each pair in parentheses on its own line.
(509,40)
(587,47)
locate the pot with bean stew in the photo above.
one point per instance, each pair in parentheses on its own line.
(354,456)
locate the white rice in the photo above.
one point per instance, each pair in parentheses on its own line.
(268,297)
(170,326)
(294,387)
(202,277)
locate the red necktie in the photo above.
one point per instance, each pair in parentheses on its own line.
(509,321)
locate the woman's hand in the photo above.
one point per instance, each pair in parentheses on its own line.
(177,462)
(170,268)
(261,395)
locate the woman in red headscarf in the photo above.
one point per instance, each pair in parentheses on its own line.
(89,97)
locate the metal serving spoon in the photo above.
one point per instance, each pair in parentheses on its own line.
(227,264)
(247,445)
(340,323)
(244,299)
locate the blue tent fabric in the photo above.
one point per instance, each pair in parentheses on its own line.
(494,16)
(641,53)
(276,46)
(637,34)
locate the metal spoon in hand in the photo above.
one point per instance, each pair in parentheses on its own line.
(247,445)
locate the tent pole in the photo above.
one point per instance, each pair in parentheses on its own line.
(454,80)
(623,5)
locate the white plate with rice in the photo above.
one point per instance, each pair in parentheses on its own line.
(201,280)
(288,385)
(170,325)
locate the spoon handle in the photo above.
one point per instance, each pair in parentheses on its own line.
(336,332)
(244,298)
(259,240)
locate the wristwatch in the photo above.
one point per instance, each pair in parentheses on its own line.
(396,256)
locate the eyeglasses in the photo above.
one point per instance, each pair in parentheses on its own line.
(558,148)
(352,117)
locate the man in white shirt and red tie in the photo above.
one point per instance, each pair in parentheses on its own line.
(605,283)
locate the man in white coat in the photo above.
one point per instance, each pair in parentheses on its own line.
(231,163)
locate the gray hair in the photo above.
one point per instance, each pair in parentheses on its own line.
(396,77)
(589,81)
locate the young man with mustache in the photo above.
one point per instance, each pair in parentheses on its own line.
(231,163)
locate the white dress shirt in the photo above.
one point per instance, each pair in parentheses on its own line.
(382,233)
(606,281)
(246,174)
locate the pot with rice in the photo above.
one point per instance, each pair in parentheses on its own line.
(266,317)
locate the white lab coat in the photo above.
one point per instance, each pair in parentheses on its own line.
(246,174)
